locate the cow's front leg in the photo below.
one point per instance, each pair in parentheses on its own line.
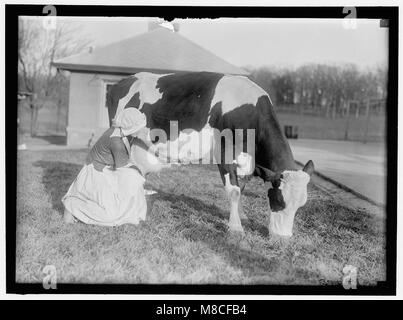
(228,173)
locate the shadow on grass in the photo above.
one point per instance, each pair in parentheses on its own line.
(209,213)
(214,232)
(56,140)
(57,178)
(208,225)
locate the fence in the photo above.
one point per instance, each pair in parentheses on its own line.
(52,120)
(358,120)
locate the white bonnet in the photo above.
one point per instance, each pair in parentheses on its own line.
(130,120)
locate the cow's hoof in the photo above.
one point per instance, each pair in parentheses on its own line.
(68,217)
(236,229)
(279,238)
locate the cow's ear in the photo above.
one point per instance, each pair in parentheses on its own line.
(309,168)
(266,174)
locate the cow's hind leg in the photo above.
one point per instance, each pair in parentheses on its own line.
(242,183)
(228,174)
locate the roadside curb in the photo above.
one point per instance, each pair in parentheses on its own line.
(343,186)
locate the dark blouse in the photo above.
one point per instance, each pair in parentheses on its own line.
(108,151)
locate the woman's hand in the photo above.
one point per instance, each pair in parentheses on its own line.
(144,135)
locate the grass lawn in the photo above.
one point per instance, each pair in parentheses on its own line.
(185,238)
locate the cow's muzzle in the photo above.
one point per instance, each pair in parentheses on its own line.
(276,199)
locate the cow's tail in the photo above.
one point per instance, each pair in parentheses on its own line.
(111,104)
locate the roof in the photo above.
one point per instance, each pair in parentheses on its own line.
(159,49)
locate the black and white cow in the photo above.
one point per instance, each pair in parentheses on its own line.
(186,112)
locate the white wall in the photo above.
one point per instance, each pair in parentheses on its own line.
(87,116)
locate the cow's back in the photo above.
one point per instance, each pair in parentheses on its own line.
(188,98)
(182,97)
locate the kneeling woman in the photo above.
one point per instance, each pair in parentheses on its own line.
(109,191)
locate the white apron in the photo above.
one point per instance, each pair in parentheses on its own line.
(107,198)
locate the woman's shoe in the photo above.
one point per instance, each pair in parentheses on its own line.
(68,217)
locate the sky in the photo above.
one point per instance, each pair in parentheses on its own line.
(261,42)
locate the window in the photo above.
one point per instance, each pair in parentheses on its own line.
(103,114)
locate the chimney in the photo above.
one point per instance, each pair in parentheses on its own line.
(160,23)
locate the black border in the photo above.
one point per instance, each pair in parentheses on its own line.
(13,11)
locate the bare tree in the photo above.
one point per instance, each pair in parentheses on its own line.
(38,47)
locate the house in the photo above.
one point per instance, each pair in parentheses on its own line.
(160,50)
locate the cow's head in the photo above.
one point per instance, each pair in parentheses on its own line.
(287,193)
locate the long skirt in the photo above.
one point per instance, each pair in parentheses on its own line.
(107,198)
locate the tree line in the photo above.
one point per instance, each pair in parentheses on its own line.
(38,47)
(323,89)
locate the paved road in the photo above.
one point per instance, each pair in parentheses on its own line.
(361,167)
